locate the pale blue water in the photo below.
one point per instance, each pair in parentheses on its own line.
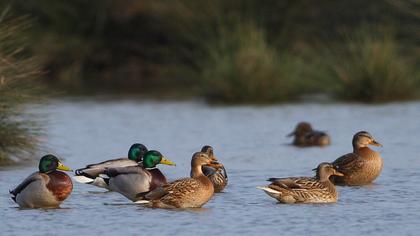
(251,142)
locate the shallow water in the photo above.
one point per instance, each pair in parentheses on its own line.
(251,142)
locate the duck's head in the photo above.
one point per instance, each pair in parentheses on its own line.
(325,170)
(137,152)
(209,151)
(153,157)
(301,129)
(201,159)
(49,163)
(363,139)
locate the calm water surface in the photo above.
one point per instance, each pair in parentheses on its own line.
(251,142)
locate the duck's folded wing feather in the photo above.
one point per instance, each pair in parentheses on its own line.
(223,172)
(94,170)
(348,161)
(292,183)
(112,172)
(31,178)
(176,189)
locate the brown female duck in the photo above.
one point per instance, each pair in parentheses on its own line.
(184,193)
(217,176)
(46,188)
(363,165)
(318,189)
(305,136)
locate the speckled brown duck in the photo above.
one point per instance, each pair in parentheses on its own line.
(46,188)
(130,181)
(363,165)
(217,176)
(305,136)
(318,189)
(184,193)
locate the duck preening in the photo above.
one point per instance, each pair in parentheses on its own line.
(218,176)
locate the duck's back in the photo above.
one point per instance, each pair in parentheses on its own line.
(302,190)
(186,193)
(312,138)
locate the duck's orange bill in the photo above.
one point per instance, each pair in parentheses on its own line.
(375,143)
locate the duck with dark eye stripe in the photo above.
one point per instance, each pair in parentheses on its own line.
(363,165)
(132,180)
(305,136)
(318,189)
(90,174)
(46,188)
(217,176)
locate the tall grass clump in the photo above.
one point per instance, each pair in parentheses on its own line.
(18,74)
(371,67)
(242,67)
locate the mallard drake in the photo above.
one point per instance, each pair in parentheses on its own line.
(305,136)
(363,165)
(131,180)
(184,193)
(46,188)
(90,174)
(318,189)
(217,176)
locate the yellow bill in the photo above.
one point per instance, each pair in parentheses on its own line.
(63,167)
(167,162)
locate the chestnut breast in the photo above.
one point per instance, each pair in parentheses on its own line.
(60,185)
(158,179)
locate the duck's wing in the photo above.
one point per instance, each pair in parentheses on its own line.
(222,172)
(174,190)
(292,183)
(31,178)
(209,170)
(301,189)
(94,170)
(348,162)
(115,171)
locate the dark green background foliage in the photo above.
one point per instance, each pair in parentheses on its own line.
(229,51)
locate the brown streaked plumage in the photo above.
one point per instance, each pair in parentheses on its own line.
(217,176)
(305,136)
(318,189)
(362,166)
(185,193)
(46,188)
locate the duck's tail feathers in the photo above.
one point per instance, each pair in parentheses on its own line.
(142,202)
(83,179)
(273,179)
(13,196)
(268,190)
